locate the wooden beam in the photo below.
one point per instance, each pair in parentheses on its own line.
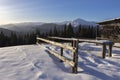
(61,49)
(80,40)
(110,50)
(75,57)
(116,46)
(103,51)
(70,62)
(73,49)
(67,39)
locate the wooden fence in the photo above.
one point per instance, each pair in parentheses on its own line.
(74,49)
(104,43)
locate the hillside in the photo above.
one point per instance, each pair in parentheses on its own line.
(7,32)
(28,27)
(33,62)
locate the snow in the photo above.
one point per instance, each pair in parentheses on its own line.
(106,42)
(110,20)
(33,62)
(79,21)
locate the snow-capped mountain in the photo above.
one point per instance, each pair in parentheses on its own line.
(44,27)
(79,21)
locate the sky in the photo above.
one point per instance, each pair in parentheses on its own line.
(15,11)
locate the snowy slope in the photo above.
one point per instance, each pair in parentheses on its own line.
(6,31)
(33,62)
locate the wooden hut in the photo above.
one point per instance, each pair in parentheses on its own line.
(111,29)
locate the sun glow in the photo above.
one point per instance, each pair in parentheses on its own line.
(4,15)
(5,12)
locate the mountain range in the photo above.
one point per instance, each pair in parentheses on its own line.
(28,27)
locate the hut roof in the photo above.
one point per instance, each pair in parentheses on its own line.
(116,20)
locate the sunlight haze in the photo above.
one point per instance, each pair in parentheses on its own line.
(12,11)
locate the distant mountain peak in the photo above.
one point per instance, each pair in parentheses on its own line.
(80,21)
(25,27)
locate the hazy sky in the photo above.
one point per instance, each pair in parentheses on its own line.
(57,10)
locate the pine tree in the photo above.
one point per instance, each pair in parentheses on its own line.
(2,38)
(64,33)
(38,32)
(78,32)
(98,31)
(14,40)
(50,32)
(70,32)
(55,32)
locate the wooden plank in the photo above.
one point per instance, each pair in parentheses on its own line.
(101,38)
(116,46)
(90,41)
(73,49)
(80,40)
(71,63)
(66,39)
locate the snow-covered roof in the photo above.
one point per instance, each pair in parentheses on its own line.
(115,20)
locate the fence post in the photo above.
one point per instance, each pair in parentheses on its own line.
(75,56)
(110,49)
(37,41)
(72,43)
(103,50)
(61,49)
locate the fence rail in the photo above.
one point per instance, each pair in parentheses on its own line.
(104,43)
(73,63)
(57,44)
(70,62)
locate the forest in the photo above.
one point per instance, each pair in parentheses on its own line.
(82,31)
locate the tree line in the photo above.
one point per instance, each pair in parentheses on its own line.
(68,32)
(82,31)
(15,39)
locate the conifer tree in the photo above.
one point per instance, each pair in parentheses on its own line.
(50,32)
(38,32)
(78,32)
(64,33)
(55,32)
(2,37)
(70,32)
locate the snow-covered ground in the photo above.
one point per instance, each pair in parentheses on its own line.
(33,62)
